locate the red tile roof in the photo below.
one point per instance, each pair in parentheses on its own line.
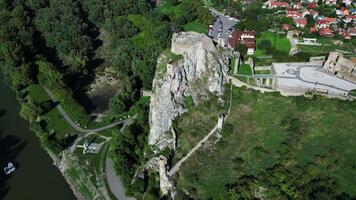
(236,38)
(326,31)
(279,4)
(312,5)
(301,21)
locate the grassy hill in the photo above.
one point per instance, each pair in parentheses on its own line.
(278,147)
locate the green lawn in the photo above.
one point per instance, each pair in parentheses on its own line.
(245,69)
(196,26)
(309,137)
(37,93)
(328,45)
(263,72)
(54,119)
(280,42)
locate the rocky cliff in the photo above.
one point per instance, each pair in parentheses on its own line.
(199,72)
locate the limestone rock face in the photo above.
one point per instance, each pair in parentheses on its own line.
(201,72)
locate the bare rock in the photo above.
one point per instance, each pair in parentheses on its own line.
(200,73)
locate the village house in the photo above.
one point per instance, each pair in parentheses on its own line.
(286,27)
(300,22)
(352,31)
(330,2)
(326,32)
(247,38)
(325,22)
(345,34)
(293,13)
(349,19)
(277,4)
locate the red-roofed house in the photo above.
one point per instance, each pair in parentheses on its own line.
(286,27)
(326,32)
(277,4)
(300,22)
(352,31)
(310,12)
(247,38)
(297,5)
(344,33)
(350,18)
(345,11)
(312,5)
(292,13)
(325,22)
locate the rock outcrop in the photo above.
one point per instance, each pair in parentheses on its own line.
(200,72)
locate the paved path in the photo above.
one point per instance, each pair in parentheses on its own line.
(73,124)
(296,76)
(114,182)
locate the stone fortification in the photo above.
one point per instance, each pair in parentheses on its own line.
(200,73)
(340,66)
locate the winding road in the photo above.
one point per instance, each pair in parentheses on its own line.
(74,125)
(114,182)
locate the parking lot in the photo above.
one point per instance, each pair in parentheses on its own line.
(223,26)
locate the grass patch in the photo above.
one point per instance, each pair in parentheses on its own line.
(189,102)
(37,93)
(77,176)
(280,42)
(196,26)
(312,137)
(328,45)
(54,119)
(245,69)
(263,72)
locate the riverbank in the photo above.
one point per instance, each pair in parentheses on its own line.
(35,177)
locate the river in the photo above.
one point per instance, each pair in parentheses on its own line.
(36,177)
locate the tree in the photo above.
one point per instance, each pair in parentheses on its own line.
(264,45)
(311,21)
(241,48)
(127,93)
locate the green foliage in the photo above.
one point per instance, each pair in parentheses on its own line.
(189,102)
(50,78)
(16,44)
(264,45)
(126,95)
(280,147)
(129,151)
(242,49)
(352,93)
(64,29)
(245,69)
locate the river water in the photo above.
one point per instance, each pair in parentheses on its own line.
(36,178)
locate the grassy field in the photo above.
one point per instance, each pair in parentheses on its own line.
(255,137)
(196,26)
(328,45)
(279,42)
(54,119)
